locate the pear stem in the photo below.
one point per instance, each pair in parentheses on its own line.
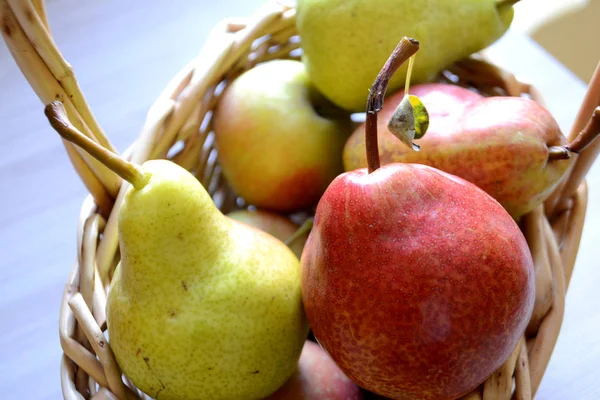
(558,153)
(57,116)
(303,229)
(403,51)
(586,137)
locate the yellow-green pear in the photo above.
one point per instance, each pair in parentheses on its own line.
(201,306)
(346,42)
(279,140)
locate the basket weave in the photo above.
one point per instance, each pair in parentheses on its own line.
(179,127)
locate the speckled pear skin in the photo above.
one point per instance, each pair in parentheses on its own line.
(275,148)
(317,378)
(346,42)
(201,307)
(417,283)
(498,143)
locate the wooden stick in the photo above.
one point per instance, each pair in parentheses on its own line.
(499,385)
(584,162)
(540,352)
(104,394)
(57,116)
(588,134)
(75,351)
(40,7)
(87,281)
(48,89)
(100,345)
(81,377)
(36,31)
(574,231)
(522,381)
(67,376)
(544,291)
(474,395)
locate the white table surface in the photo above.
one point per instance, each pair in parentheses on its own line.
(124,53)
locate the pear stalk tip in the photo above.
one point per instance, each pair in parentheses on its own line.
(406,48)
(59,120)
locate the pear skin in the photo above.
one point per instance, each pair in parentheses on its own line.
(346,42)
(499,143)
(201,306)
(274,224)
(276,149)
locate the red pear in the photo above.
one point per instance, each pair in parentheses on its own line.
(501,144)
(317,378)
(416,282)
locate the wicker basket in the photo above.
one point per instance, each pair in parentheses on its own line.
(178,127)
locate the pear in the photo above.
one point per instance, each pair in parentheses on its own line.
(346,42)
(279,140)
(201,306)
(503,145)
(275,224)
(416,282)
(317,378)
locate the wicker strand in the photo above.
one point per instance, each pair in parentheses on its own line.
(541,350)
(37,33)
(499,386)
(100,345)
(474,395)
(67,377)
(573,232)
(583,161)
(74,350)
(544,293)
(40,8)
(48,89)
(522,380)
(104,394)
(93,226)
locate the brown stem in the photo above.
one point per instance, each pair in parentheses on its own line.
(581,142)
(403,51)
(57,116)
(588,134)
(558,153)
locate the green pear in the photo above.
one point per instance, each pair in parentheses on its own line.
(279,140)
(275,224)
(201,306)
(346,42)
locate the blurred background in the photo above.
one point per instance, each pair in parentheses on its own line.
(567,29)
(124,53)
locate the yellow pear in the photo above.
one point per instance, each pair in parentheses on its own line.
(201,306)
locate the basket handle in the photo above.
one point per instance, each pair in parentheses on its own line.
(25,30)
